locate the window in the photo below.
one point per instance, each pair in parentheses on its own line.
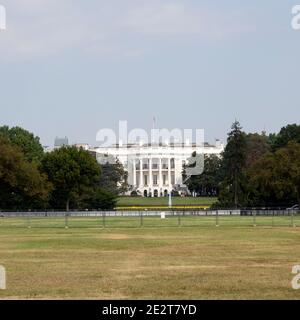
(172,163)
(165,164)
(172,179)
(155,180)
(145,166)
(164,179)
(155,166)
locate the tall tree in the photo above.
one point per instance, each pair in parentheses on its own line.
(28,143)
(22,186)
(74,174)
(234,159)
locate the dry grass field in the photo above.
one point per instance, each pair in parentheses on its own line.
(188,262)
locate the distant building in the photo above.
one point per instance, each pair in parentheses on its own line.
(47,149)
(154,170)
(84,146)
(60,142)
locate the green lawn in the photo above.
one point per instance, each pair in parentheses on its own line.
(148,221)
(160,260)
(164,201)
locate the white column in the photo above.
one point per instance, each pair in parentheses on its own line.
(141,174)
(175,171)
(134,174)
(150,175)
(160,173)
(169,172)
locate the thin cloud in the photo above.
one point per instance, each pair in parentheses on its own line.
(38,28)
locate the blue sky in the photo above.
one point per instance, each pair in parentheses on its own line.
(70,67)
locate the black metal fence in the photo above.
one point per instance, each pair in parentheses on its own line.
(138,219)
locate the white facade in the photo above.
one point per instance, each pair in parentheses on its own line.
(155,170)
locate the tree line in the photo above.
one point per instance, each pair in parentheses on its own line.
(66,178)
(255,170)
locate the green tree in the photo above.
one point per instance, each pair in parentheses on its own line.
(257,145)
(74,173)
(258,170)
(275,178)
(22,186)
(113,178)
(26,141)
(207,184)
(289,133)
(99,199)
(233,164)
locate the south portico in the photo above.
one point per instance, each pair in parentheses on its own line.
(154,176)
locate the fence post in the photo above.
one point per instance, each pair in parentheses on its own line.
(292,218)
(254,218)
(142,219)
(66,221)
(28,221)
(217,218)
(103,219)
(179,219)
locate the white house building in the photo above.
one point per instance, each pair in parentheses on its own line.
(154,169)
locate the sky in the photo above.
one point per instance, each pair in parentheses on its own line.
(73,67)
